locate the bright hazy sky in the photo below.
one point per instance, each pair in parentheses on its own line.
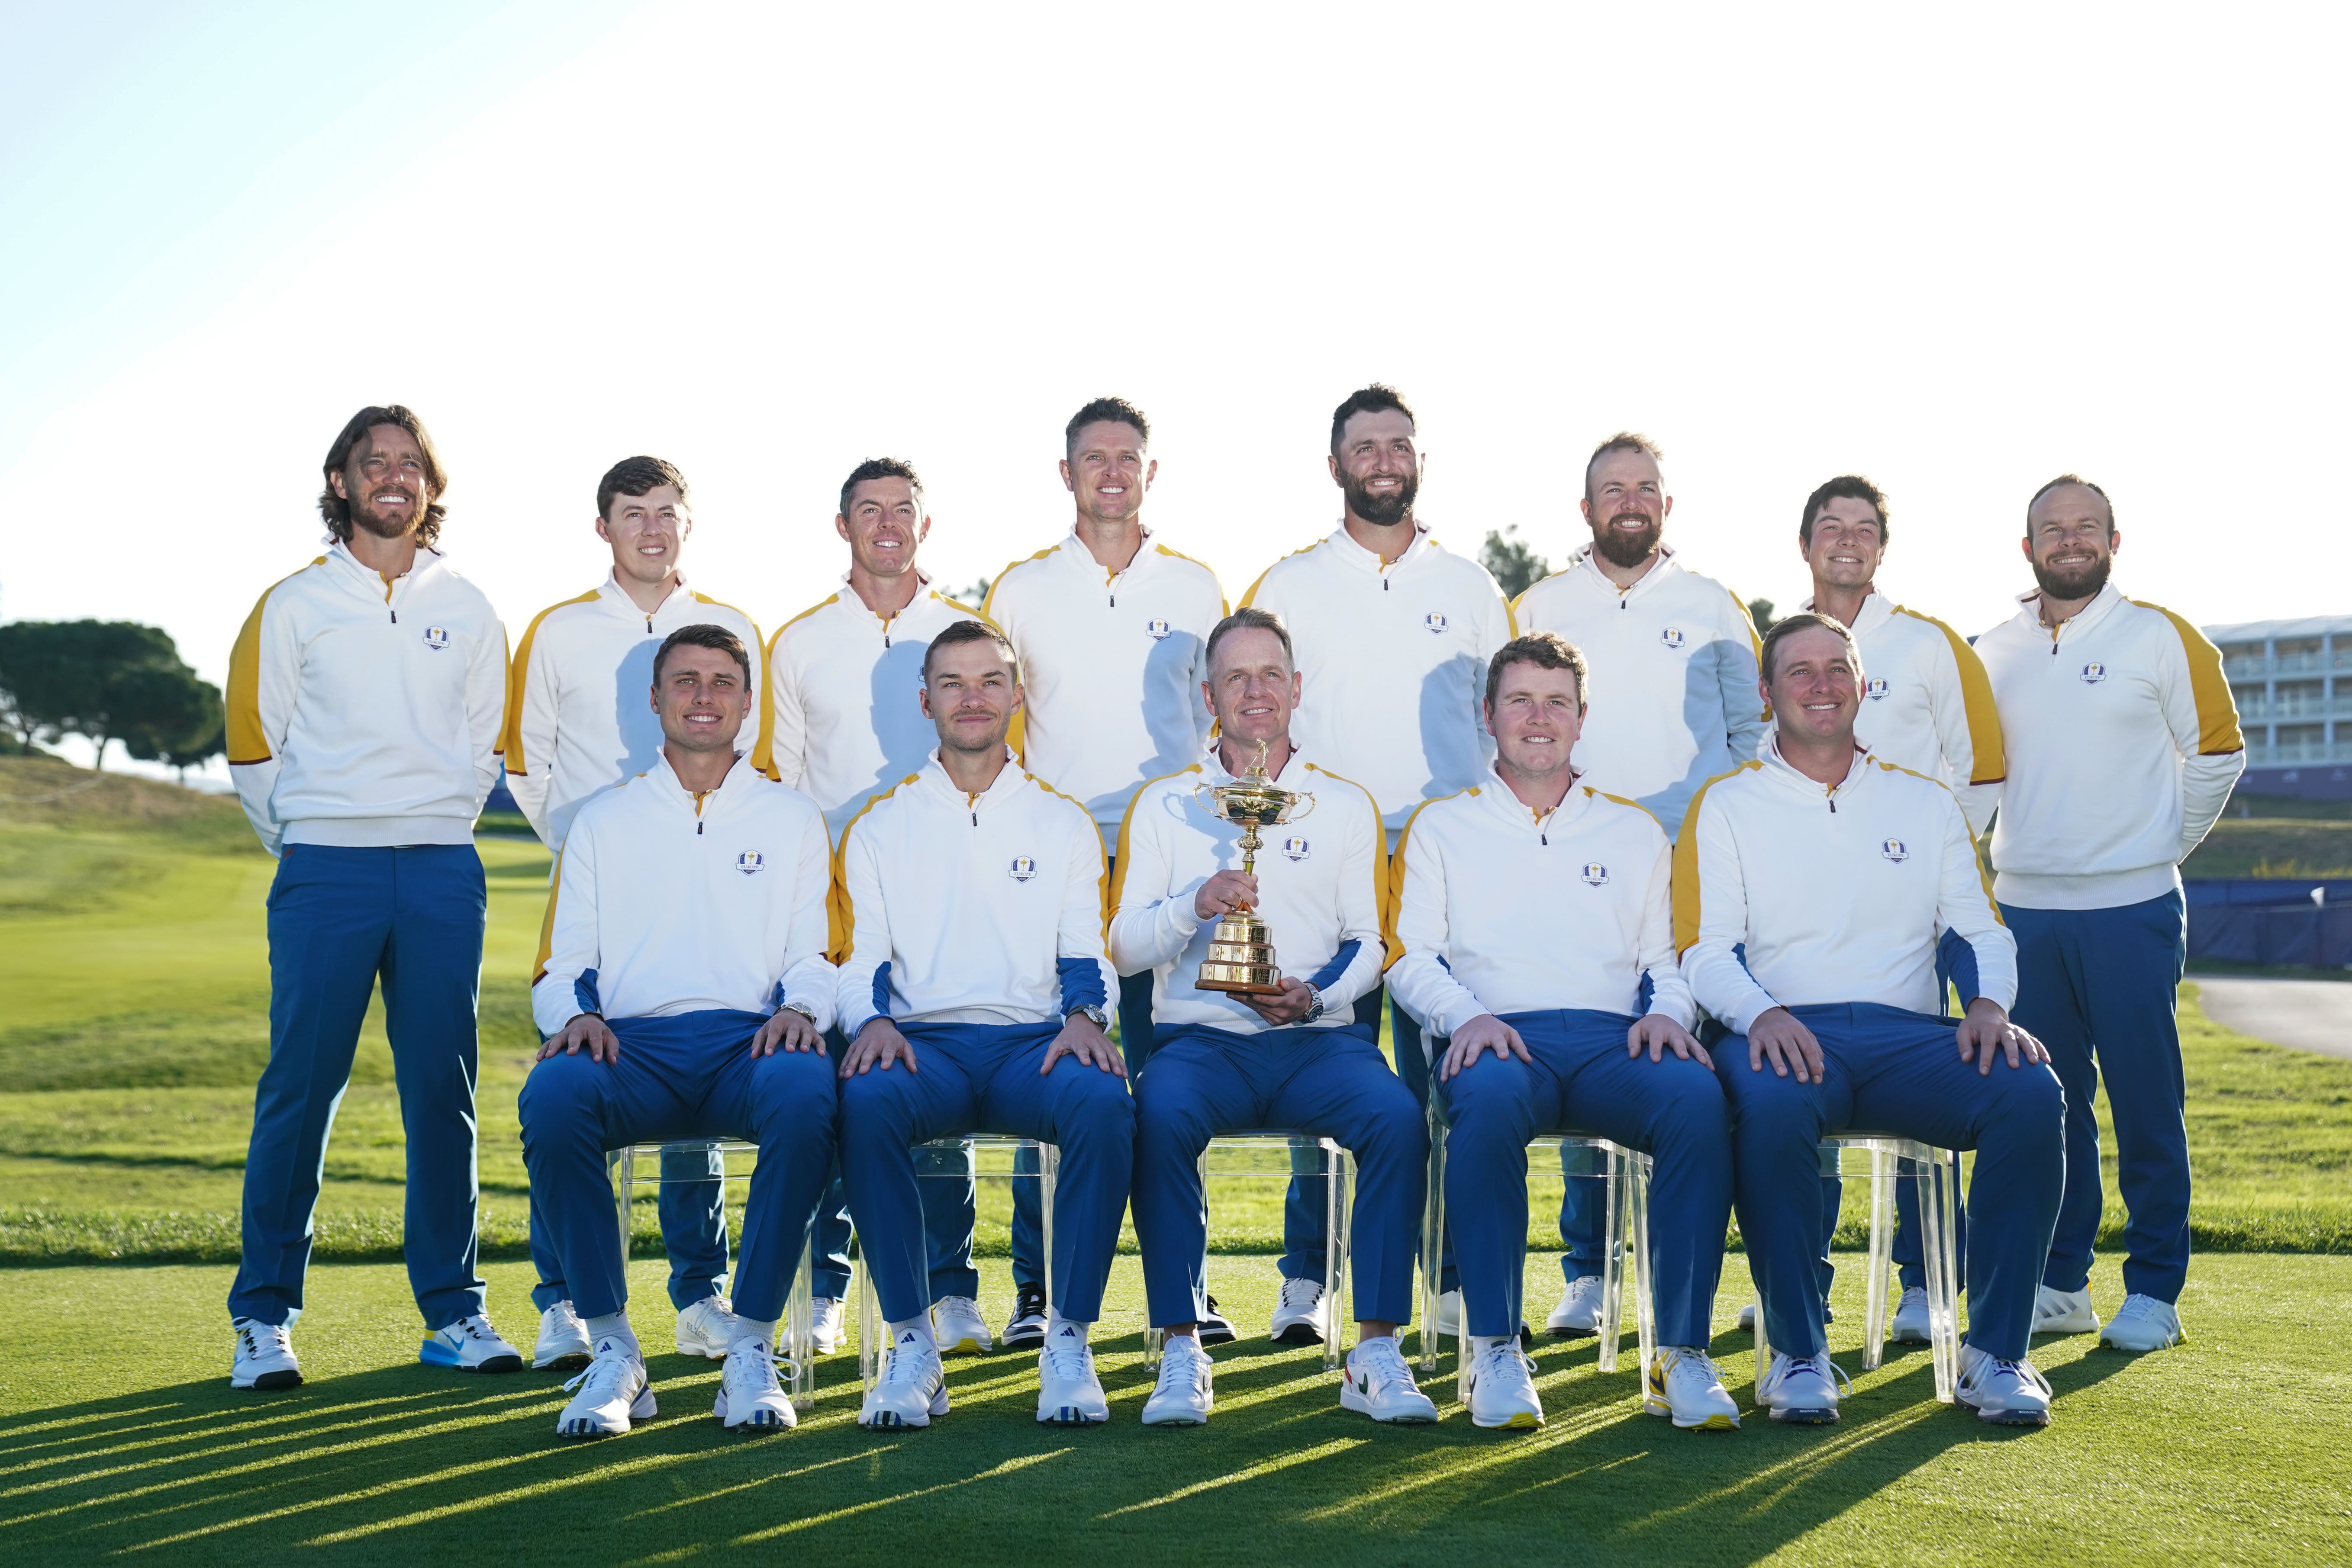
(1957,248)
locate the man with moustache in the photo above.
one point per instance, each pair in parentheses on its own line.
(1393,633)
(1109,625)
(1676,653)
(844,682)
(578,725)
(365,696)
(2123,746)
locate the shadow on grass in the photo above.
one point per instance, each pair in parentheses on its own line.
(405,1464)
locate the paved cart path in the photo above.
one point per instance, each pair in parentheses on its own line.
(2306,1014)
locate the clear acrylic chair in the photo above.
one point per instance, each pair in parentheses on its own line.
(869,1309)
(1625,1230)
(798,1370)
(1230,1156)
(1886,1159)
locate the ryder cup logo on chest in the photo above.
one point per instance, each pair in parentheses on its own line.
(437,638)
(1023,868)
(1433,621)
(1893,849)
(1672,637)
(749,861)
(1295,847)
(1875,689)
(1155,629)
(1595,874)
(2093,673)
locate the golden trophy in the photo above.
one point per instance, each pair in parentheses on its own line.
(1241,952)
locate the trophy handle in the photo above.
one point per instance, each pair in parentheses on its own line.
(1208,804)
(1302,798)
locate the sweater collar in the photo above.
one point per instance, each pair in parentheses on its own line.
(1664,567)
(2102,604)
(933,778)
(1293,770)
(1877,609)
(616,598)
(1784,775)
(371,581)
(731,789)
(1364,560)
(1496,791)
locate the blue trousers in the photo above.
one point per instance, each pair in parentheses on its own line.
(691,1076)
(1895,1071)
(1671,1110)
(1201,1081)
(2101,987)
(691,1202)
(1304,1206)
(970,1078)
(339,921)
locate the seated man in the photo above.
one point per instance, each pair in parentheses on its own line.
(973,993)
(1838,872)
(683,988)
(1537,925)
(1221,1061)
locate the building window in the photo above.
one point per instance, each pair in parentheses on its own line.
(2299,698)
(2301,744)
(2299,653)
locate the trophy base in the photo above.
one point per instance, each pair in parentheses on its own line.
(1242,979)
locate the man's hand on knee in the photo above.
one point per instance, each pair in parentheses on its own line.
(587,1032)
(878,1044)
(787,1030)
(1790,1047)
(1660,1034)
(1987,1031)
(1479,1035)
(1081,1038)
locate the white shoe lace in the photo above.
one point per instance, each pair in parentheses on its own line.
(1304,1294)
(1691,1372)
(477,1327)
(1500,1361)
(606,1377)
(1069,1357)
(753,1369)
(907,1366)
(955,1309)
(1183,1365)
(1787,1366)
(1913,1295)
(1989,1367)
(262,1340)
(2138,1307)
(1383,1364)
(1580,1287)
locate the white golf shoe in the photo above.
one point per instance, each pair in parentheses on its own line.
(2063,1311)
(2005,1393)
(1377,1382)
(1301,1315)
(1068,1391)
(1578,1312)
(563,1340)
(1687,1387)
(1500,1388)
(469,1344)
(1802,1390)
(264,1356)
(2144,1324)
(706,1328)
(751,1396)
(612,1393)
(1910,1325)
(1183,1396)
(1448,1321)
(828,1323)
(912,1388)
(958,1327)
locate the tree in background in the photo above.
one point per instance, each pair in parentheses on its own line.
(107,680)
(1517,568)
(975,596)
(1760,612)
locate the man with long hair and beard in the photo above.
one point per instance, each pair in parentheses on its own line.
(365,697)
(2123,745)
(1677,655)
(1393,632)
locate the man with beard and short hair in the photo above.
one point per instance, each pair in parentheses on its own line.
(1676,653)
(578,726)
(1393,633)
(365,696)
(2123,746)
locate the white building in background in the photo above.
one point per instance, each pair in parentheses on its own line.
(2293,683)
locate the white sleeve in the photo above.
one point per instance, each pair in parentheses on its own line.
(809,979)
(486,711)
(1964,904)
(265,670)
(1743,715)
(568,945)
(863,931)
(788,736)
(1081,935)
(1363,911)
(1151,923)
(2203,718)
(1968,729)
(1711,919)
(529,749)
(1670,995)
(1421,982)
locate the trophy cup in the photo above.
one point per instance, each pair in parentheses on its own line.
(1241,951)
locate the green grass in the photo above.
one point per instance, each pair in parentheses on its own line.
(2229,1448)
(2280,846)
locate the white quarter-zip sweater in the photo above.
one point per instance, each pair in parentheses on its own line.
(1395,663)
(1111,666)
(1927,704)
(675,902)
(1840,895)
(843,681)
(1674,699)
(1322,883)
(366,713)
(1503,909)
(580,717)
(2123,746)
(959,909)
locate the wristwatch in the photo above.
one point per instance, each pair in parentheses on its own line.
(803,1008)
(1100,1019)
(1314,1005)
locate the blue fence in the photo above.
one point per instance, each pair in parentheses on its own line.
(2251,919)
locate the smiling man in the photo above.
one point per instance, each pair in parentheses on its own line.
(365,703)
(1298,1058)
(1110,627)
(2123,747)
(1536,927)
(577,725)
(1676,653)
(972,990)
(682,990)
(1810,888)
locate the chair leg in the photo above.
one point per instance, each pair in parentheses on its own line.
(869,1324)
(1881,1255)
(1763,1349)
(1645,1321)
(1936,1203)
(620,1199)
(1433,1241)
(1335,1250)
(1612,1254)
(1049,1168)
(800,1331)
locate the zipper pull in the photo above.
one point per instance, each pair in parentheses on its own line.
(698,827)
(975,819)
(650,626)
(1114,601)
(395,618)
